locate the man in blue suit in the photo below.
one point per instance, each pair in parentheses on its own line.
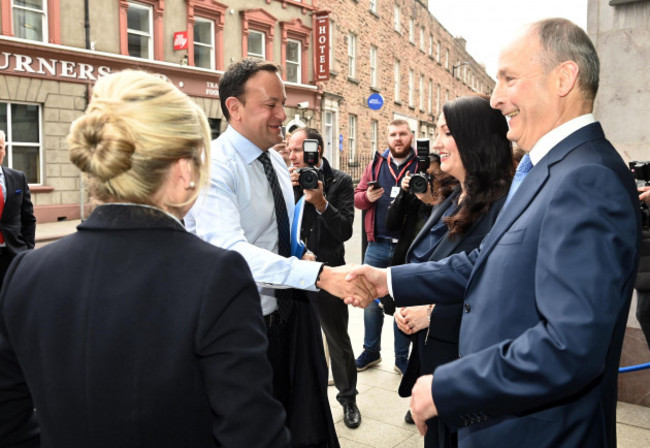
(546,296)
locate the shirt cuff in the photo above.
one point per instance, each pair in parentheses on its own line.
(389,282)
(327,204)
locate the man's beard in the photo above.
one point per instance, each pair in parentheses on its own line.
(400,153)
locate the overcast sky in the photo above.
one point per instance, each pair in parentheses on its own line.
(487,25)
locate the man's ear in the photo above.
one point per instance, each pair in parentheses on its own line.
(566,77)
(233,105)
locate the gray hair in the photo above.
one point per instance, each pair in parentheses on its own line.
(562,40)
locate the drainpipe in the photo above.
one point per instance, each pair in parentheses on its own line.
(82,211)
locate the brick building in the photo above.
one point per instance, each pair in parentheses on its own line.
(52,51)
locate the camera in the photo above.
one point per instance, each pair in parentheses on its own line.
(309,176)
(641,172)
(419,181)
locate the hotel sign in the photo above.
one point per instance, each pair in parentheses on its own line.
(322,51)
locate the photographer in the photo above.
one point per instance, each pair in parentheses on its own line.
(642,284)
(326,225)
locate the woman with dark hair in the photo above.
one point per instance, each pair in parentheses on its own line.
(473,148)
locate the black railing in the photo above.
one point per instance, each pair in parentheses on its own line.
(355,167)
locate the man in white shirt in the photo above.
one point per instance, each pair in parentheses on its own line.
(247,208)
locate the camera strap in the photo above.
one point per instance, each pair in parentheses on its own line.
(397,178)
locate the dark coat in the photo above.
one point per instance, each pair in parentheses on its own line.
(546,300)
(408,215)
(326,234)
(18,224)
(134,333)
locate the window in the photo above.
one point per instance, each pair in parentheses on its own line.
(256,45)
(411,87)
(421,92)
(352,56)
(438,99)
(352,137)
(374,136)
(430,45)
(430,98)
(21,123)
(204,43)
(373,6)
(447,59)
(422,38)
(411,31)
(373,66)
(293,61)
(438,49)
(396,24)
(396,90)
(30,19)
(139,31)
(447,96)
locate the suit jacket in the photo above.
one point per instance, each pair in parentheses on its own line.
(134,333)
(17,223)
(439,344)
(326,234)
(545,303)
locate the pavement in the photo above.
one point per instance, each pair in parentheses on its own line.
(382,410)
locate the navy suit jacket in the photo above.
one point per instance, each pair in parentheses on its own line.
(18,224)
(546,301)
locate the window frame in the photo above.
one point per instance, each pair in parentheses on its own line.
(374,51)
(249,54)
(396,81)
(411,95)
(352,137)
(52,28)
(297,63)
(296,31)
(396,19)
(352,56)
(262,22)
(204,45)
(157,10)
(374,136)
(130,31)
(10,144)
(210,11)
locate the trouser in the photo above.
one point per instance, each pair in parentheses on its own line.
(379,254)
(334,317)
(643,313)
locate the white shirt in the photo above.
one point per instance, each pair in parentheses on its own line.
(237,212)
(541,148)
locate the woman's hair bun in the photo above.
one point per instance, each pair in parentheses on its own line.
(101,145)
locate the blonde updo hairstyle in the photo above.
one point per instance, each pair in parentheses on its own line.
(135,127)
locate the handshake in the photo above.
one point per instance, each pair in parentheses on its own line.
(356,285)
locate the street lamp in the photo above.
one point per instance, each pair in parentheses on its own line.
(453,69)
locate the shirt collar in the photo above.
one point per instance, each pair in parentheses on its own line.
(246,149)
(555,136)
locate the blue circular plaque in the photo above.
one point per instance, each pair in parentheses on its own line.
(375,101)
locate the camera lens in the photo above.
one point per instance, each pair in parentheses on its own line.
(418,183)
(308,178)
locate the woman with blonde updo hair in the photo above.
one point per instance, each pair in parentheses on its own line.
(132,331)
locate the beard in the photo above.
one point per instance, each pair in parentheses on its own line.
(401,152)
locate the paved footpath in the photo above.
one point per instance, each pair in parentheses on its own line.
(382,410)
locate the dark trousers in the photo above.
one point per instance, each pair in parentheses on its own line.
(334,317)
(643,313)
(5,261)
(279,356)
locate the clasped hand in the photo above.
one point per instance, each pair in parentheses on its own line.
(356,285)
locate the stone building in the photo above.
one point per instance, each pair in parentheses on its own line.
(620,30)
(52,52)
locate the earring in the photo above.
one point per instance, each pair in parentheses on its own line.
(192,185)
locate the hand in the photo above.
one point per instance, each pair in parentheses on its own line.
(405,182)
(372,276)
(309,256)
(316,197)
(373,194)
(333,280)
(295,175)
(422,406)
(645,194)
(427,196)
(412,319)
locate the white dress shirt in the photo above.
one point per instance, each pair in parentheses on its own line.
(237,212)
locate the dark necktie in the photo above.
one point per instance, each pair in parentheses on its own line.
(523,168)
(282,218)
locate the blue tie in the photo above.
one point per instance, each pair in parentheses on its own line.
(522,169)
(283,296)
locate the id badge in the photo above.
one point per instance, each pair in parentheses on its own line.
(394,191)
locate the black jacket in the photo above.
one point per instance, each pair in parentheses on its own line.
(18,224)
(407,214)
(326,234)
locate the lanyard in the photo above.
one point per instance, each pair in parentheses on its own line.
(397,178)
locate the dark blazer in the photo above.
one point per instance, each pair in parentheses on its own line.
(545,303)
(407,214)
(17,223)
(326,234)
(134,333)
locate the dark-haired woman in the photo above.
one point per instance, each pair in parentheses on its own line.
(473,148)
